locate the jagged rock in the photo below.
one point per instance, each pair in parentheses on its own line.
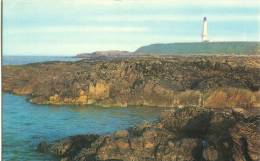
(181,150)
(187,134)
(246,138)
(69,146)
(210,154)
(121,134)
(176,81)
(240,112)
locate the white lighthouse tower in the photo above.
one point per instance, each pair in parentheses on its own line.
(204,35)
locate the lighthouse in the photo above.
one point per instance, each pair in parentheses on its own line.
(204,35)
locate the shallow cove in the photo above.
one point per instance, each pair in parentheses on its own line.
(26,124)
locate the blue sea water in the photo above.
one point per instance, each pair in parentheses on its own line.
(25,124)
(18,60)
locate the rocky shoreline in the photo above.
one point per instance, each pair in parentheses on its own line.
(213,104)
(165,81)
(187,134)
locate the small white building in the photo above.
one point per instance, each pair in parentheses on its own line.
(204,35)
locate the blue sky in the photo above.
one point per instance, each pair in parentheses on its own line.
(66,27)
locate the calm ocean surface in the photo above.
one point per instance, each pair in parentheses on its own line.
(26,124)
(17,60)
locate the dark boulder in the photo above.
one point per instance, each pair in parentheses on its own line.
(188,134)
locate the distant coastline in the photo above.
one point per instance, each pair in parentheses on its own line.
(202,48)
(182,49)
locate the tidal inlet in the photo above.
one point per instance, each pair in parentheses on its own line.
(128,80)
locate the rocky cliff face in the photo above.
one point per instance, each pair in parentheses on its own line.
(187,134)
(215,81)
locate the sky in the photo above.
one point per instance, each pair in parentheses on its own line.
(69,27)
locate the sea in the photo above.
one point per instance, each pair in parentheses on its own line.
(25,125)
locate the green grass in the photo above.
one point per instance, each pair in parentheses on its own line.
(225,48)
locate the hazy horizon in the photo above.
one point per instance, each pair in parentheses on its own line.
(66,28)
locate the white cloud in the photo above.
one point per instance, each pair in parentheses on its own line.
(172,17)
(232,3)
(24,17)
(79,29)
